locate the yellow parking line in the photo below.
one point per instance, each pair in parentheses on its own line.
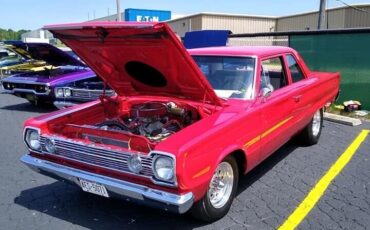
(315,194)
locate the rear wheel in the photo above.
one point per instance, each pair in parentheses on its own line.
(221,191)
(311,133)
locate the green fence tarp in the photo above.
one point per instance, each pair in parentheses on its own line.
(348,54)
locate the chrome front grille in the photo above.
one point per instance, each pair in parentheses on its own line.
(89,95)
(97,156)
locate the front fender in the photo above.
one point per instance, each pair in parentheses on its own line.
(201,172)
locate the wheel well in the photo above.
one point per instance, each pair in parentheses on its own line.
(241,160)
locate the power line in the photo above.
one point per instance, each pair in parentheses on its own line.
(353,7)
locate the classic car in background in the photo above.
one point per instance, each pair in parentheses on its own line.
(29,57)
(9,57)
(184,126)
(59,69)
(81,91)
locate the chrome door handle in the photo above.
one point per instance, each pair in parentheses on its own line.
(297,98)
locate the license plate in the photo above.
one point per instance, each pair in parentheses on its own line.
(93,187)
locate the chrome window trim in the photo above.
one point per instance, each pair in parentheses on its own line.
(255,57)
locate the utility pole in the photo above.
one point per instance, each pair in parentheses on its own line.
(118,10)
(321,21)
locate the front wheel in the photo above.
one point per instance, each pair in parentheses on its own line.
(311,133)
(221,191)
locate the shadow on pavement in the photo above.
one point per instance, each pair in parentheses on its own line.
(69,203)
(258,172)
(28,107)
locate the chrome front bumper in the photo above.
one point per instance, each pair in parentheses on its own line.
(29,91)
(117,188)
(64,104)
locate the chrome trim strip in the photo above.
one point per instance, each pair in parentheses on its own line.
(168,201)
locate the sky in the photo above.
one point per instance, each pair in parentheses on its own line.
(33,14)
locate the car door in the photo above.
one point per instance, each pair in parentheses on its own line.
(301,89)
(276,107)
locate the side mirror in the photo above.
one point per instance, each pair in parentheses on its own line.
(265,92)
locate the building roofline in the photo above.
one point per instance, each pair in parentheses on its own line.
(262,16)
(146,10)
(329,9)
(222,14)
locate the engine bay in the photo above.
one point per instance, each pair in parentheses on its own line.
(153,120)
(134,124)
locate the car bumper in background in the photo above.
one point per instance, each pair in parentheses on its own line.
(64,104)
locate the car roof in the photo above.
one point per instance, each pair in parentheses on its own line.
(260,51)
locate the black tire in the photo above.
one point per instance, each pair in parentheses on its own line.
(308,135)
(204,210)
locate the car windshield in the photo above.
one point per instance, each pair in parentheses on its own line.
(231,77)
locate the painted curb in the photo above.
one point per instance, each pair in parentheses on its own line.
(342,119)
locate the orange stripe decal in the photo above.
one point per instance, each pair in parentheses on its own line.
(201,172)
(278,125)
(267,132)
(253,141)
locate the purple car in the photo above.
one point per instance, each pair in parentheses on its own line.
(38,87)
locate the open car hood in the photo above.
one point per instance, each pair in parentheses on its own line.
(137,59)
(45,52)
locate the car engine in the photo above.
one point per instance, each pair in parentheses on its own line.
(154,120)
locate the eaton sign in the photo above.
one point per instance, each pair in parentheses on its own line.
(141,15)
(141,18)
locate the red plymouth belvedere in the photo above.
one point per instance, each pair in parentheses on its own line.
(184,125)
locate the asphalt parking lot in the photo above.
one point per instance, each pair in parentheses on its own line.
(266,196)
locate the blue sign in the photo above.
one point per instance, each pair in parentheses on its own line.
(206,38)
(141,15)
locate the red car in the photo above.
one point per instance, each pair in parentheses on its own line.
(185,124)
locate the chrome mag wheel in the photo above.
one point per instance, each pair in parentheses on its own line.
(221,185)
(316,123)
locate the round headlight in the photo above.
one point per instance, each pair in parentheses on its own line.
(59,92)
(134,163)
(50,146)
(67,92)
(33,139)
(163,168)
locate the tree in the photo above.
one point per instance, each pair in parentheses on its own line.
(10,34)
